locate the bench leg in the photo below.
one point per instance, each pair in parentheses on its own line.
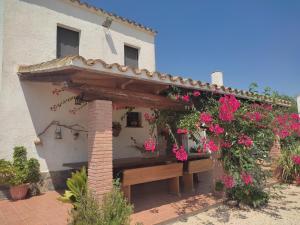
(174,186)
(188,182)
(127,192)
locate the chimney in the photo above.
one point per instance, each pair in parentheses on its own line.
(217,78)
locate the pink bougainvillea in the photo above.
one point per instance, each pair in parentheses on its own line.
(182,131)
(254,116)
(296,159)
(245,140)
(150,145)
(228,106)
(180,153)
(247,178)
(213,146)
(185,98)
(216,129)
(196,93)
(205,118)
(228,181)
(226,144)
(149,118)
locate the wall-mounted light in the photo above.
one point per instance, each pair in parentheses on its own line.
(58,133)
(107,22)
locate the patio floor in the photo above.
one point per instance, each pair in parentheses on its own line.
(153,205)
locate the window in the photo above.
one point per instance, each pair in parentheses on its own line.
(131,56)
(67,42)
(134,119)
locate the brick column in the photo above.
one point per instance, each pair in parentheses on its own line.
(275,154)
(100,147)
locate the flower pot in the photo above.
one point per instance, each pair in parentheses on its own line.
(18,192)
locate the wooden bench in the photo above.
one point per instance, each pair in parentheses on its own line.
(195,166)
(153,173)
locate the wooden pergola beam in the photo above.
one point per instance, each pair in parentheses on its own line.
(125,97)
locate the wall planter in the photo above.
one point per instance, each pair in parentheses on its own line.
(116,129)
(19,192)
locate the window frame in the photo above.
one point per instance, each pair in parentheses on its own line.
(138,54)
(139,120)
(58,25)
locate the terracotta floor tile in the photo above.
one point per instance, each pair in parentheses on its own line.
(152,203)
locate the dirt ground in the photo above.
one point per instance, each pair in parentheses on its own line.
(283,209)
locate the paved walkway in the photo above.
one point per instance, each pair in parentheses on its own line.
(283,209)
(44,209)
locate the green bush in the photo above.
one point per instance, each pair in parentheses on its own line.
(77,187)
(87,212)
(114,210)
(249,195)
(288,170)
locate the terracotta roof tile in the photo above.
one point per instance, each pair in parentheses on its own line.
(126,71)
(114,16)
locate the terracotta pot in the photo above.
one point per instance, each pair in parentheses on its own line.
(18,192)
(297,180)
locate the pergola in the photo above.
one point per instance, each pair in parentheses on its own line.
(102,85)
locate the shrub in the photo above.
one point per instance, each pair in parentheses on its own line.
(114,210)
(87,212)
(250,195)
(77,187)
(288,169)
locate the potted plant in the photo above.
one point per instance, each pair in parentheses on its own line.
(19,173)
(116,128)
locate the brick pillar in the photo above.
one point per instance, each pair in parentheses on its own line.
(217,169)
(100,147)
(275,154)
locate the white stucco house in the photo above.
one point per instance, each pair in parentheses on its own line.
(36,39)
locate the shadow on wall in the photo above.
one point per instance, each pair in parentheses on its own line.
(110,42)
(54,152)
(67,9)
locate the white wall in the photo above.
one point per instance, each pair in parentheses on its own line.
(1,38)
(29,38)
(122,145)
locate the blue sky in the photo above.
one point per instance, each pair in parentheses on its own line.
(249,41)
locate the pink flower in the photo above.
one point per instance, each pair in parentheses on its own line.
(149,118)
(185,98)
(247,178)
(182,131)
(283,133)
(226,144)
(245,140)
(228,106)
(254,116)
(180,153)
(228,181)
(150,145)
(205,118)
(212,146)
(196,93)
(216,129)
(296,159)
(295,116)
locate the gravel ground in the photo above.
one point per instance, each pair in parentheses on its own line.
(283,209)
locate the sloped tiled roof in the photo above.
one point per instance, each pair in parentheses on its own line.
(112,15)
(99,66)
